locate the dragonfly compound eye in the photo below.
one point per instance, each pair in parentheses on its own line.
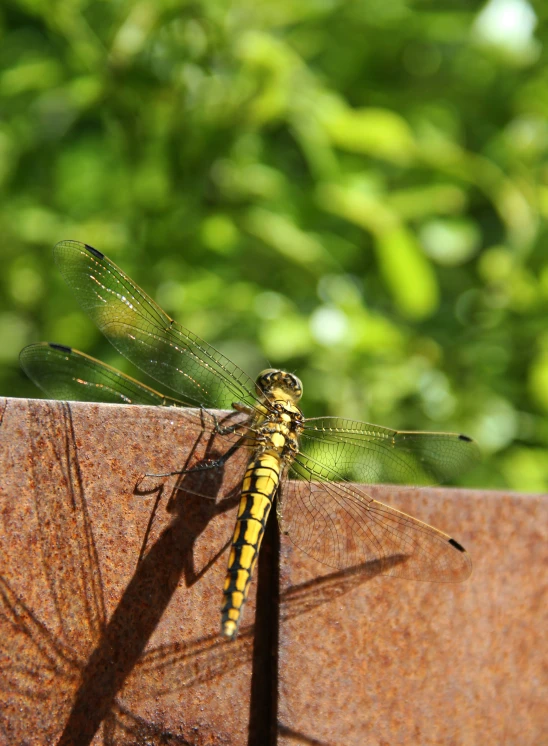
(277,384)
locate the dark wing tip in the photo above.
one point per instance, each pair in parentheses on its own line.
(457,545)
(70,243)
(94,251)
(61,348)
(465,438)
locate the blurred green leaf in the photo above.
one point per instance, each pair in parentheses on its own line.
(287,239)
(356,191)
(538,376)
(407,273)
(376,132)
(450,242)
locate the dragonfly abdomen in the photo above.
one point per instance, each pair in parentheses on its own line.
(258,490)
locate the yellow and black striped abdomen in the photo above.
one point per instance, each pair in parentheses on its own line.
(258,490)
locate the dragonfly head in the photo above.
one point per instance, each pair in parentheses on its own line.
(277,384)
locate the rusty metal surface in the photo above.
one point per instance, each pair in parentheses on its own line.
(379,661)
(99,647)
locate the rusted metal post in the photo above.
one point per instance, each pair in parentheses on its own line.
(110,589)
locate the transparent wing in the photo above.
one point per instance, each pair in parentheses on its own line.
(358,451)
(146,335)
(64,373)
(340,525)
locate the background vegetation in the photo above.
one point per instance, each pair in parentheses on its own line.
(355,191)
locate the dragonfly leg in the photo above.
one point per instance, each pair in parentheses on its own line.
(226,429)
(206,464)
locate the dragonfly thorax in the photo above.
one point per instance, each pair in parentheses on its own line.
(277,385)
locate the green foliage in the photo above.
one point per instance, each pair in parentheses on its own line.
(355,191)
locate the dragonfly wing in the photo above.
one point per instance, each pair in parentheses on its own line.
(64,373)
(146,335)
(340,525)
(361,452)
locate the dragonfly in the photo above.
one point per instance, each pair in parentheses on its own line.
(314,470)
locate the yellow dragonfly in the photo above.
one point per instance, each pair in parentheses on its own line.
(307,467)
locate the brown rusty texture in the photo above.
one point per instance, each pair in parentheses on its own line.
(388,662)
(110,589)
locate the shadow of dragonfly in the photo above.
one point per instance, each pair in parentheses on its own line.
(74,679)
